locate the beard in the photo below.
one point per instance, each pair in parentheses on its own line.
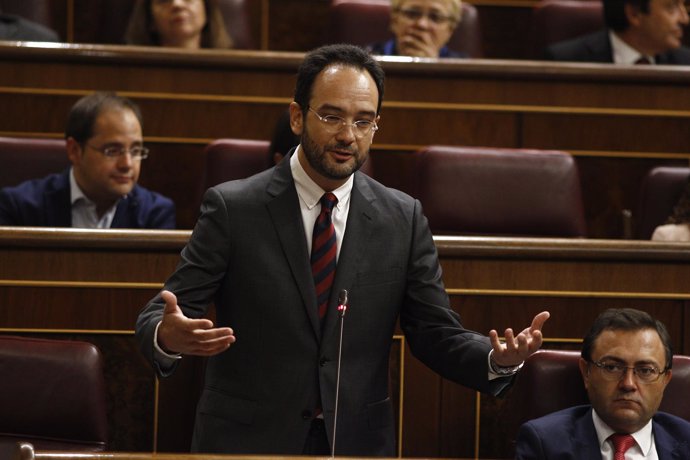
(324,164)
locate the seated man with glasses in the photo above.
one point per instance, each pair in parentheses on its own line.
(626,365)
(104,143)
(422,28)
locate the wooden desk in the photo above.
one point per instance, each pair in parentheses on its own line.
(91,284)
(27,452)
(618,122)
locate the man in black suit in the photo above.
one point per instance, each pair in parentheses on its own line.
(270,385)
(638,32)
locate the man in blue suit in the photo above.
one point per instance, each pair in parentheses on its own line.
(637,32)
(626,365)
(104,143)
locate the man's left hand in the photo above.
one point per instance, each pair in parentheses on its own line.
(516,349)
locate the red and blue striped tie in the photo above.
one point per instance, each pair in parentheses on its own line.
(323,252)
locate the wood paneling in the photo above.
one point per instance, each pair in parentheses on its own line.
(91,284)
(618,122)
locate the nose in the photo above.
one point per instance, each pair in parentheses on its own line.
(627,380)
(346,134)
(683,15)
(423,21)
(125,161)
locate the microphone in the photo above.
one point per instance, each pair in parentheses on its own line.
(342,308)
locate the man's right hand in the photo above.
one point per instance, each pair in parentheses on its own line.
(179,334)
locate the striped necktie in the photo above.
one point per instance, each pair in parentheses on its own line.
(323,252)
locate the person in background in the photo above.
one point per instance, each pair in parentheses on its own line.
(677,227)
(626,364)
(422,28)
(105,145)
(637,32)
(190,24)
(16,28)
(283,139)
(276,252)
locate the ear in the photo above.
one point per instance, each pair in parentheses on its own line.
(376,120)
(74,151)
(296,118)
(584,370)
(633,14)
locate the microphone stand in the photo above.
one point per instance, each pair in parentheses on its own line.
(342,308)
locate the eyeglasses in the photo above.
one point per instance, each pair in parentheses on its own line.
(334,124)
(645,373)
(138,152)
(413,14)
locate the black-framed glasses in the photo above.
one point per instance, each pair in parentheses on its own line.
(613,371)
(334,124)
(113,152)
(415,14)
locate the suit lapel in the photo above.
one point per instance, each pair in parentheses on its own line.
(585,440)
(121,219)
(58,208)
(358,231)
(600,49)
(285,212)
(667,447)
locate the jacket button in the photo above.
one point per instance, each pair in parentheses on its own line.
(306,414)
(324,361)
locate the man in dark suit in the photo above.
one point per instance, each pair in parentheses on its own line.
(270,385)
(638,31)
(105,145)
(626,365)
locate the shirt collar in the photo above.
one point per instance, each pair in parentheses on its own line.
(309,191)
(643,437)
(75,192)
(624,53)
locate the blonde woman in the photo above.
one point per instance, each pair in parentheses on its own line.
(422,28)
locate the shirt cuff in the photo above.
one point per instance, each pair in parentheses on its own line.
(165,360)
(496,371)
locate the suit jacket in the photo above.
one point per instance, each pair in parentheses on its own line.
(569,434)
(390,48)
(17,28)
(248,253)
(46,203)
(596,47)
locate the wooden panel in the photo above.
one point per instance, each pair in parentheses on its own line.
(617,122)
(91,284)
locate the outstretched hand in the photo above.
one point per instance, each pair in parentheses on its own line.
(516,349)
(180,334)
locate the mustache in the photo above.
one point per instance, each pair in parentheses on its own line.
(343,148)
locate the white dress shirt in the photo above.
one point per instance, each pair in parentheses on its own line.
(644,448)
(624,53)
(84,213)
